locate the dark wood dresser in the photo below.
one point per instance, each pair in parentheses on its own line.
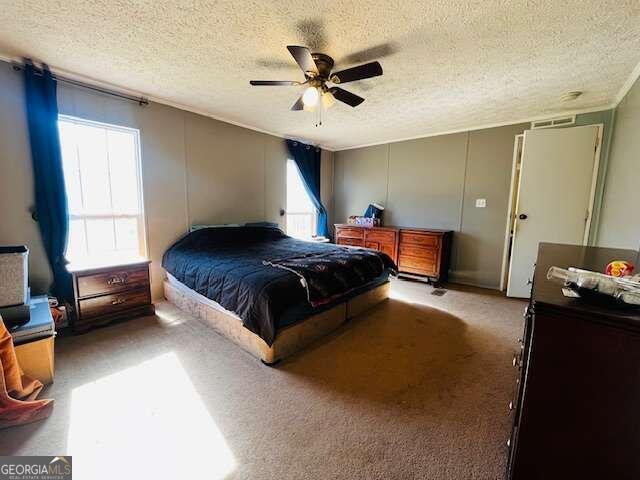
(417,251)
(103,294)
(576,411)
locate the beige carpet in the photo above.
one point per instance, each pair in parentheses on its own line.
(417,388)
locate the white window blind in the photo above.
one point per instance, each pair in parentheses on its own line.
(103,181)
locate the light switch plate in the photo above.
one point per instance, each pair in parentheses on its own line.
(481,202)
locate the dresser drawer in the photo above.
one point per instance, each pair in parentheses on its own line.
(354,242)
(380,236)
(423,239)
(113,303)
(418,265)
(112,281)
(346,232)
(414,250)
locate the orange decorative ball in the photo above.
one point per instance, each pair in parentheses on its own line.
(619,268)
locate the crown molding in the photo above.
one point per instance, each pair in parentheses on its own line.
(600,108)
(635,74)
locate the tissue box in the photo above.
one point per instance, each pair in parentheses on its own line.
(364,221)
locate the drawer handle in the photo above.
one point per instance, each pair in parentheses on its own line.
(118,279)
(119,301)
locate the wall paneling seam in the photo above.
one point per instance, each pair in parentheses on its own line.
(186,173)
(386,199)
(456,251)
(464,181)
(264,179)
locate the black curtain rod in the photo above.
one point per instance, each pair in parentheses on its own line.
(139,100)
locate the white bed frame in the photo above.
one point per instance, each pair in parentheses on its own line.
(290,339)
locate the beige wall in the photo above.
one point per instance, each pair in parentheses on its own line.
(434,182)
(619,219)
(195,170)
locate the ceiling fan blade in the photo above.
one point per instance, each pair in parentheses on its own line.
(299,105)
(303,57)
(284,83)
(360,72)
(346,97)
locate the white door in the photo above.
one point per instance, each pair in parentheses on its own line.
(554,197)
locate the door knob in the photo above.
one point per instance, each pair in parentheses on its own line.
(523,216)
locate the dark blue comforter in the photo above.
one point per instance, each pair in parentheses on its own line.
(259,272)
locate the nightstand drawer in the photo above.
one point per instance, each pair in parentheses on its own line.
(108,304)
(112,281)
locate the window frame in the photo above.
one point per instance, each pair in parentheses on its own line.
(141,217)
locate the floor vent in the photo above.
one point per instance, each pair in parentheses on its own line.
(438,292)
(553,122)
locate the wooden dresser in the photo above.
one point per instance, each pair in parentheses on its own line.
(577,395)
(417,251)
(103,294)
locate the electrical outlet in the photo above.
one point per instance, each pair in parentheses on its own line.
(481,202)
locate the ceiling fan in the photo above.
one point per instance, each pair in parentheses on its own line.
(317,72)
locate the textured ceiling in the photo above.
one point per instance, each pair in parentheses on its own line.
(449,65)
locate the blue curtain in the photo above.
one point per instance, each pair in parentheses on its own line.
(307,158)
(51,210)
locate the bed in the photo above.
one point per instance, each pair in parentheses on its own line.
(269,293)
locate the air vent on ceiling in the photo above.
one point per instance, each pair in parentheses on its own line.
(554,122)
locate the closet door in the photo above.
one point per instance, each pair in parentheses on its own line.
(555,196)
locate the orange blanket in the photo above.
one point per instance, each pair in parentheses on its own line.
(18,404)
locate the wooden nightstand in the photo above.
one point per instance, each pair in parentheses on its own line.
(104,293)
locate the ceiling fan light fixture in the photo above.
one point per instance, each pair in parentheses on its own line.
(328,100)
(317,69)
(310,97)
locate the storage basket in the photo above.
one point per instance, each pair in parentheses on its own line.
(13,275)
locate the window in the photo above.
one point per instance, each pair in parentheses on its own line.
(301,214)
(101,166)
